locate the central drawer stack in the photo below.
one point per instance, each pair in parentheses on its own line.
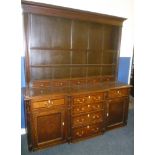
(87,115)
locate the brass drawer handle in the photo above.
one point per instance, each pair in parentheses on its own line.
(63,123)
(118,91)
(95,129)
(88,105)
(78,134)
(49,103)
(88,126)
(88,115)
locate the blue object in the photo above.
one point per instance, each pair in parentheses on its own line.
(123,69)
(23,83)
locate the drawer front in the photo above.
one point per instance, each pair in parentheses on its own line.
(118,93)
(87,118)
(86,131)
(59,83)
(86,108)
(77,82)
(41,84)
(88,99)
(47,103)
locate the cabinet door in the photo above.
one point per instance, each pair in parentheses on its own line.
(49,127)
(117,111)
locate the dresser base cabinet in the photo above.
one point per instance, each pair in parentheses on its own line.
(71,70)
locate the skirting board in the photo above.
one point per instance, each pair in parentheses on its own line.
(23,131)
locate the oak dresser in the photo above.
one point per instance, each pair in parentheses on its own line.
(71,62)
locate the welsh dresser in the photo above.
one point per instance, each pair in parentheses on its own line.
(71,60)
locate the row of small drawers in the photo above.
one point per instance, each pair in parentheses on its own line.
(72,82)
(89,100)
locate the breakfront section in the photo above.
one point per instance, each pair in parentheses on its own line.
(87,115)
(71,67)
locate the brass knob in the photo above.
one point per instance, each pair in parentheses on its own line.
(63,123)
(88,115)
(88,105)
(88,127)
(49,101)
(118,91)
(89,97)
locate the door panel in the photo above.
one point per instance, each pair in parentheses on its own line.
(116,112)
(49,127)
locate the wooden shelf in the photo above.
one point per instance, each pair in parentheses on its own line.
(60,49)
(72,65)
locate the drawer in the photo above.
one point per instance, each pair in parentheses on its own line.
(108,78)
(47,103)
(59,83)
(87,107)
(88,98)
(87,118)
(41,84)
(77,82)
(118,92)
(87,131)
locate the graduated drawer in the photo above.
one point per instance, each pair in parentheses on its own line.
(86,108)
(87,118)
(90,98)
(118,92)
(47,103)
(87,131)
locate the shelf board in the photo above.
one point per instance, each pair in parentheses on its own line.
(60,49)
(71,65)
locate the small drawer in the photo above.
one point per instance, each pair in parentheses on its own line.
(108,78)
(59,83)
(93,80)
(77,82)
(41,84)
(87,118)
(87,131)
(88,98)
(86,108)
(118,92)
(47,103)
